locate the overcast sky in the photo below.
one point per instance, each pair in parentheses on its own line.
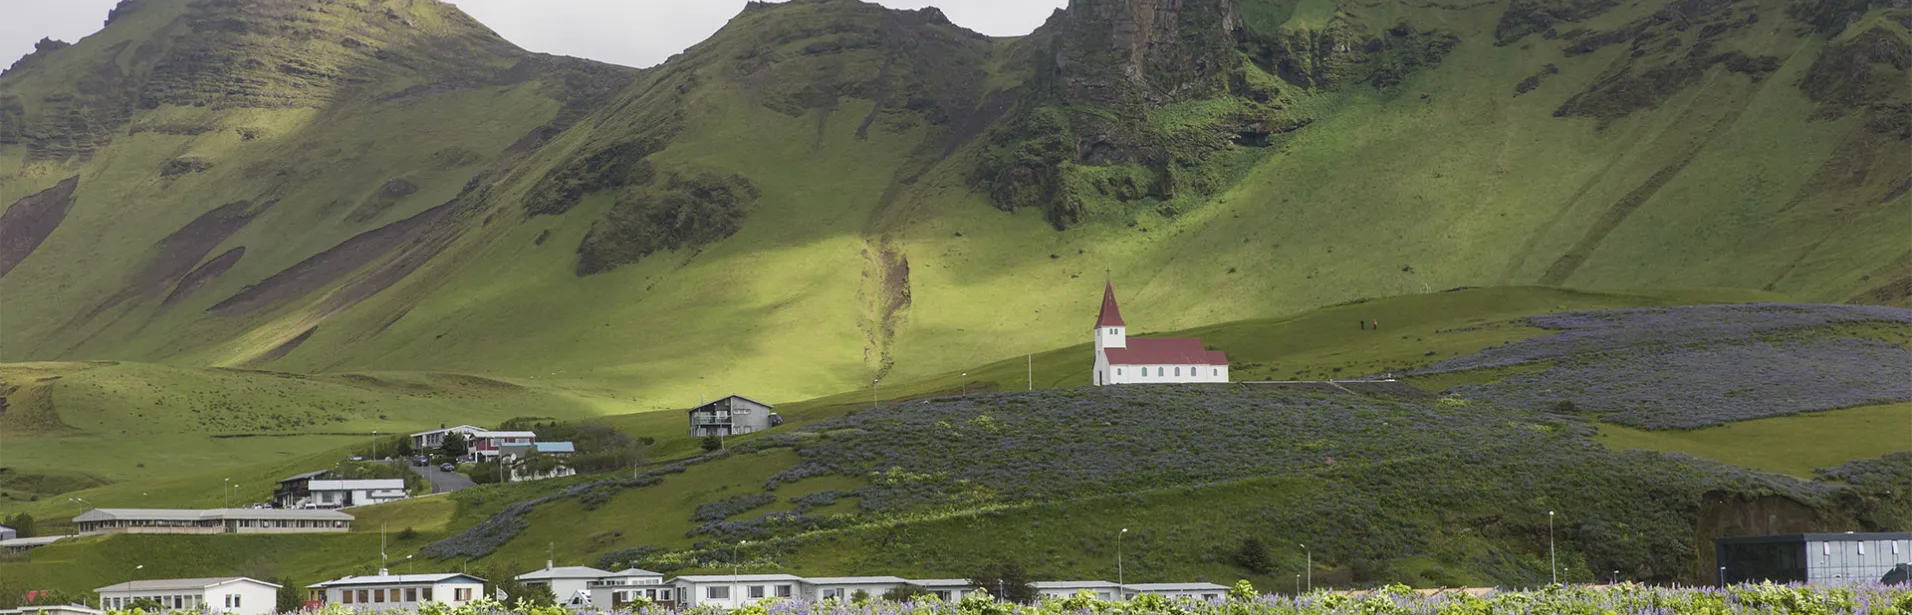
(629,32)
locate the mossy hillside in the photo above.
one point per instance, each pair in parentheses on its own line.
(1794,445)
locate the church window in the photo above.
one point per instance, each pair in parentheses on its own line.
(1118,371)
(1159,371)
(1178,372)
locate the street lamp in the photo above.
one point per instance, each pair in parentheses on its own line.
(736,558)
(965,384)
(374,445)
(1553,564)
(873,382)
(1297,585)
(1310,554)
(1722,576)
(227,490)
(1118,554)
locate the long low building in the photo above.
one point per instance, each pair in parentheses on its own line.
(387,592)
(211,521)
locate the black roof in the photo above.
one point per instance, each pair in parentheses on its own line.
(1823,537)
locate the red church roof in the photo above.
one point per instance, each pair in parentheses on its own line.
(1165,351)
(1111,315)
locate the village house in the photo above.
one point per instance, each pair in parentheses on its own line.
(1103,590)
(213,521)
(846,588)
(313,490)
(569,585)
(1120,359)
(552,466)
(433,439)
(732,591)
(947,590)
(21,545)
(733,415)
(7,533)
(235,595)
(1205,592)
(386,591)
(623,587)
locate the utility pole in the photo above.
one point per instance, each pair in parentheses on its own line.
(228,491)
(1310,570)
(374,446)
(1297,585)
(1032,372)
(1118,554)
(1552,563)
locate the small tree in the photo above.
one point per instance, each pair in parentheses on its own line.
(905,593)
(712,443)
(148,605)
(454,445)
(1006,580)
(484,473)
(1254,556)
(22,523)
(1243,591)
(291,596)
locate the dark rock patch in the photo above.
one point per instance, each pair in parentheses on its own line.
(684,211)
(1860,71)
(615,166)
(27,223)
(1524,17)
(176,256)
(41,50)
(1533,81)
(204,274)
(184,165)
(326,267)
(382,200)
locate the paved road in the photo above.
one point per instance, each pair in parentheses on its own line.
(442,481)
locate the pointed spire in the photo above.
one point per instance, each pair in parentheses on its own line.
(1111,314)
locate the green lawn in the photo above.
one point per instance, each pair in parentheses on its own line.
(1793,445)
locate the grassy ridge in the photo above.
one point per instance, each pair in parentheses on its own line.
(1794,445)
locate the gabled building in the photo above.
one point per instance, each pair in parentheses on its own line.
(1120,359)
(432,439)
(356,492)
(235,595)
(569,585)
(733,415)
(7,533)
(386,591)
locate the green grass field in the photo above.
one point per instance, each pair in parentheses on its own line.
(1793,445)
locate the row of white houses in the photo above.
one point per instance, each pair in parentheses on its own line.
(582,587)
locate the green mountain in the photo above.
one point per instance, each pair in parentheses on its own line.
(830,191)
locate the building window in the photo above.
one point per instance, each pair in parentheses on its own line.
(717,593)
(783,591)
(378,595)
(364,595)
(665,594)
(461,594)
(1118,371)
(347,595)
(1159,371)
(411,594)
(756,591)
(426,594)
(1178,372)
(1862,548)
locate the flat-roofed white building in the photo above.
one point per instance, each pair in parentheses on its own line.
(947,590)
(626,586)
(731,591)
(1103,590)
(21,545)
(53,609)
(355,492)
(426,440)
(212,521)
(385,591)
(1206,592)
(235,595)
(845,588)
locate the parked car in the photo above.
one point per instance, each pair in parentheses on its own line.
(448,467)
(420,461)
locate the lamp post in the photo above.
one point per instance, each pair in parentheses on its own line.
(1118,554)
(1553,564)
(873,382)
(965,384)
(227,490)
(1722,576)
(375,445)
(1297,585)
(1310,570)
(736,558)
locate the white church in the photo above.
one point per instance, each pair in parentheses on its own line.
(1149,360)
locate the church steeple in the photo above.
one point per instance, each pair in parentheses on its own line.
(1111,314)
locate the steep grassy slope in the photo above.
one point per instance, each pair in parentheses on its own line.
(827,192)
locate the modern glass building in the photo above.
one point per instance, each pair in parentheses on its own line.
(1815,559)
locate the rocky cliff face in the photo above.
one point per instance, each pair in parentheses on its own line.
(1155,52)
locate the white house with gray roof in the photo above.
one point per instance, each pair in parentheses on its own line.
(1205,592)
(947,590)
(628,585)
(728,591)
(234,595)
(1103,590)
(569,585)
(846,588)
(385,591)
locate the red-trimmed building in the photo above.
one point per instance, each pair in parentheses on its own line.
(1149,360)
